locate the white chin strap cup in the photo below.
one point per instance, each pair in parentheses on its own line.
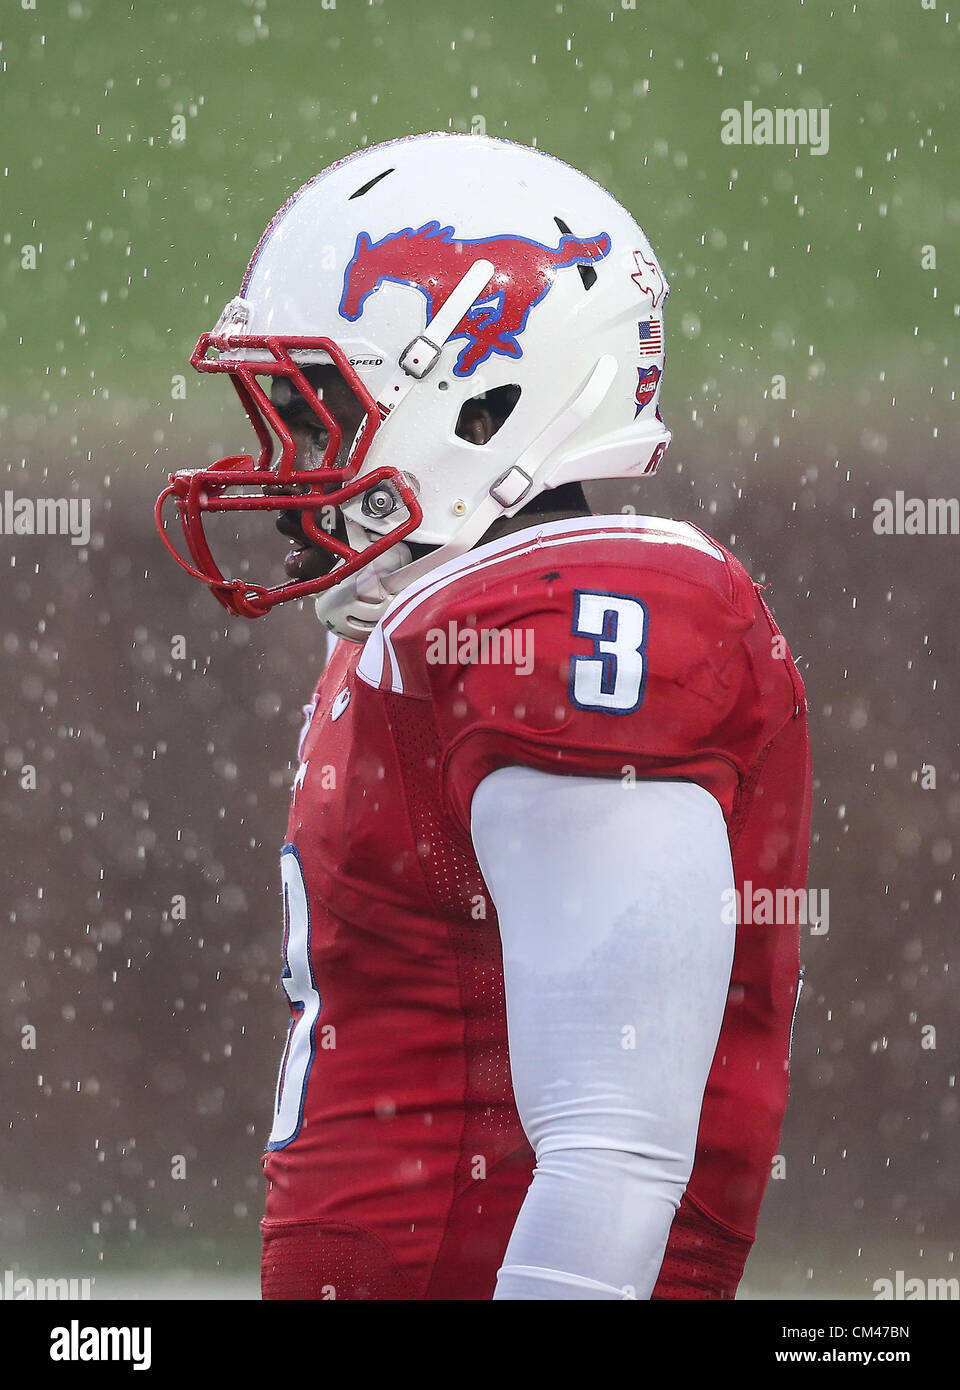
(354,607)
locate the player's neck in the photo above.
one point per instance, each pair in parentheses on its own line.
(523,523)
(558,504)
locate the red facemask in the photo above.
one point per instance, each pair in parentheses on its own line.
(237,483)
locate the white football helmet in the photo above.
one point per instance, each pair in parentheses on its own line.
(430,271)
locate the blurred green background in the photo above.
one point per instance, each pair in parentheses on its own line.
(155,778)
(780,260)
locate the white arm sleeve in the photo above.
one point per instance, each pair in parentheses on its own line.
(617,930)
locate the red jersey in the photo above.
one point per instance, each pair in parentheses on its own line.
(627,647)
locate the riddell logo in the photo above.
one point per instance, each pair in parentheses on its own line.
(433,261)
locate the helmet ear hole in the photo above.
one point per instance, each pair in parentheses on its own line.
(481,416)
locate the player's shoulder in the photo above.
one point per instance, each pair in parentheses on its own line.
(559,547)
(531,579)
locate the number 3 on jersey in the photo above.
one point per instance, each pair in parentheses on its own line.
(301,990)
(610,681)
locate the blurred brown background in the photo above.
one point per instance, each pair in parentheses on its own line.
(159,1037)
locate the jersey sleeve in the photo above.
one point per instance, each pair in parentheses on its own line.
(654,868)
(618,657)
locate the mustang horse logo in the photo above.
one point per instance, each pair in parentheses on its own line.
(433,261)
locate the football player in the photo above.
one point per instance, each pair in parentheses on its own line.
(535,1051)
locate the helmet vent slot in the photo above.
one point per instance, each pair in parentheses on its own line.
(367,186)
(481,416)
(588,275)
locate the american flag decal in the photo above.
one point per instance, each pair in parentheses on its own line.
(651,338)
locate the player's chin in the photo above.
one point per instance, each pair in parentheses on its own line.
(305,561)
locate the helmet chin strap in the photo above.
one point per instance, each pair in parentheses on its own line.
(421,355)
(335,607)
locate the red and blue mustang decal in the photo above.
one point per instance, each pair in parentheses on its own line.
(432,260)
